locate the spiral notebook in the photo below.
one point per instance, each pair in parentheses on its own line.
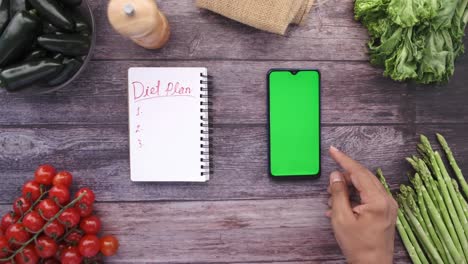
(169,124)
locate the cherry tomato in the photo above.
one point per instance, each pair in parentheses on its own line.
(9,219)
(28,256)
(71,255)
(54,229)
(74,238)
(4,247)
(63,178)
(89,246)
(45,174)
(70,217)
(17,234)
(21,205)
(1,232)
(60,193)
(31,190)
(46,247)
(84,209)
(88,198)
(48,208)
(33,221)
(91,225)
(109,245)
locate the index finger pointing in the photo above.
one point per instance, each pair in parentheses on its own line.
(345,161)
(361,177)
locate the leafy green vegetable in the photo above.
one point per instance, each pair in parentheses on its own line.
(415,39)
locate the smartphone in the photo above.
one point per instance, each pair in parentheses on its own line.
(294,122)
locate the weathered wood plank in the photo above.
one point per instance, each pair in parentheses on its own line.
(446,103)
(352,92)
(98,157)
(199,34)
(291,230)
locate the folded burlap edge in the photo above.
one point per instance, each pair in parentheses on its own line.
(296,14)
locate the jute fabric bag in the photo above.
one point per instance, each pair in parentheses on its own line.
(270,15)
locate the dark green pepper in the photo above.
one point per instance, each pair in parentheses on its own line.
(58,56)
(67,44)
(48,28)
(71,66)
(72,3)
(18,6)
(36,54)
(54,13)
(82,27)
(18,37)
(4,14)
(28,73)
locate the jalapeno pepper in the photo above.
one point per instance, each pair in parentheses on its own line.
(81,26)
(71,2)
(48,28)
(18,6)
(54,13)
(4,14)
(18,37)
(71,66)
(67,44)
(58,56)
(36,54)
(27,73)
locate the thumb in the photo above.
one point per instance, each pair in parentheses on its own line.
(341,205)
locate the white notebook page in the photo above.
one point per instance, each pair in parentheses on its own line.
(165,125)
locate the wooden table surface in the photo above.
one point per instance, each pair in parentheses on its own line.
(240,215)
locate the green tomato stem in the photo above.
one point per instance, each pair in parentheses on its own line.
(71,204)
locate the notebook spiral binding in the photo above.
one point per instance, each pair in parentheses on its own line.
(206,130)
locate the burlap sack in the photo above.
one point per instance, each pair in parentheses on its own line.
(269,15)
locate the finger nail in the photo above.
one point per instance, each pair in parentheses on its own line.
(333,148)
(335,177)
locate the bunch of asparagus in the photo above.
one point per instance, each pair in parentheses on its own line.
(433,215)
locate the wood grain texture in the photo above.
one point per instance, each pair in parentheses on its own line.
(98,157)
(199,34)
(352,92)
(255,231)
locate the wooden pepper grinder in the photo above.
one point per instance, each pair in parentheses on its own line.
(141,21)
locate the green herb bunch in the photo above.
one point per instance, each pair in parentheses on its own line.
(415,39)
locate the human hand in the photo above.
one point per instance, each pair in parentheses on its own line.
(365,233)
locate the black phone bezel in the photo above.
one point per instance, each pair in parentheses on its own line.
(294,72)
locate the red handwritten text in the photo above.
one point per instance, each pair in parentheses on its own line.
(143,92)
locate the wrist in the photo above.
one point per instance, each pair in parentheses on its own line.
(372,258)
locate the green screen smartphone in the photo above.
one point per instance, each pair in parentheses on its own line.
(294,115)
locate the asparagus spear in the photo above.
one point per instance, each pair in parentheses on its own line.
(447,253)
(449,229)
(422,152)
(409,240)
(460,241)
(428,181)
(446,204)
(411,243)
(410,195)
(413,162)
(420,233)
(453,162)
(439,223)
(460,198)
(417,182)
(460,222)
